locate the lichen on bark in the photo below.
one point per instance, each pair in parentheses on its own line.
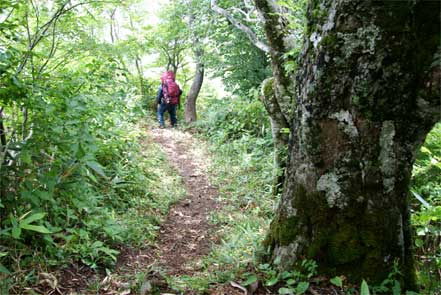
(280,137)
(387,156)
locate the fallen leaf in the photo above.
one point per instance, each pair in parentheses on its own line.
(253,287)
(238,286)
(49,279)
(145,288)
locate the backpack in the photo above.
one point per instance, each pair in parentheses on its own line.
(170,89)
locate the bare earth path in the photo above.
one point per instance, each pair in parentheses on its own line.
(186,235)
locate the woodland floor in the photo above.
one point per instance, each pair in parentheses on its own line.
(184,238)
(187,235)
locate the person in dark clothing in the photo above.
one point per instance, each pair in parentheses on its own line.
(163,105)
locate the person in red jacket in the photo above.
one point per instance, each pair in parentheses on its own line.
(168,98)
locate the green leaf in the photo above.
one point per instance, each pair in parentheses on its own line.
(95,166)
(4,270)
(251,279)
(396,289)
(32,218)
(278,260)
(364,290)
(110,252)
(272,281)
(16,232)
(284,291)
(337,281)
(3,254)
(97,244)
(37,228)
(302,287)
(419,243)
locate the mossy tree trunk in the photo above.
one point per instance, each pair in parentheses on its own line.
(278,91)
(279,125)
(278,35)
(368,92)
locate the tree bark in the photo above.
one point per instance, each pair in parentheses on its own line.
(193,93)
(280,137)
(190,113)
(367,95)
(278,36)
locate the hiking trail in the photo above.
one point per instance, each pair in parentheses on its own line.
(185,236)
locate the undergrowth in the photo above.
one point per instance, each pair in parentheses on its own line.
(426,212)
(119,202)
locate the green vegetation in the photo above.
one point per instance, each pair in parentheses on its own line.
(426,217)
(80,180)
(77,179)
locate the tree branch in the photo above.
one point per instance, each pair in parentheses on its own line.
(41,31)
(52,50)
(250,34)
(246,15)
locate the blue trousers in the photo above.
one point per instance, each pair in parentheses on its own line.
(171,110)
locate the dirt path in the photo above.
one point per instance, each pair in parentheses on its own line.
(186,235)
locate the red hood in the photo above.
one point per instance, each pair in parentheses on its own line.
(167,76)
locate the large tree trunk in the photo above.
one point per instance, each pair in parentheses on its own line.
(368,93)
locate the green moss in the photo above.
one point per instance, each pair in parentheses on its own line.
(267,87)
(283,230)
(371,266)
(329,41)
(345,245)
(355,100)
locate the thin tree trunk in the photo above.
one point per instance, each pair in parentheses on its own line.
(190,102)
(277,31)
(368,94)
(190,113)
(3,141)
(279,125)
(278,92)
(140,77)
